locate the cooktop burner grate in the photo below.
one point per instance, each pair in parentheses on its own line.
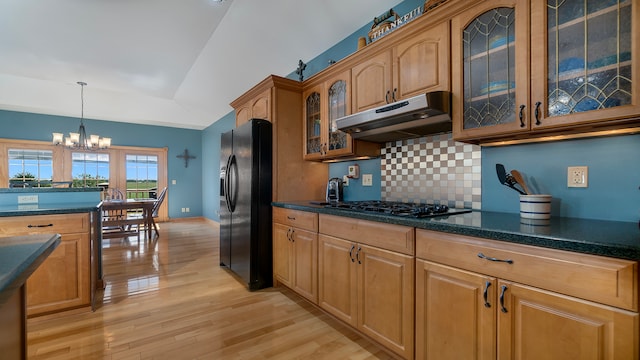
(398,208)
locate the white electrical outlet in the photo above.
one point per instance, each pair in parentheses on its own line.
(345,180)
(577,176)
(367,180)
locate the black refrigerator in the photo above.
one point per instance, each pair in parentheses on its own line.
(245,203)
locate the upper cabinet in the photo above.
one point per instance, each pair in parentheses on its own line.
(255,108)
(416,64)
(527,69)
(325,101)
(279,100)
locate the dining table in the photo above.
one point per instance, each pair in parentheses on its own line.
(123,221)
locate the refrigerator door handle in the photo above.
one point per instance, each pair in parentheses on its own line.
(226,184)
(232,194)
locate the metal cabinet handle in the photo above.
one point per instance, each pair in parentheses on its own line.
(292,234)
(386,96)
(537,113)
(483,256)
(485,294)
(289,234)
(521,115)
(393,95)
(291,217)
(358,255)
(39,226)
(503,289)
(351,253)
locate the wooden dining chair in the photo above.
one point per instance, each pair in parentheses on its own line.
(110,216)
(156,207)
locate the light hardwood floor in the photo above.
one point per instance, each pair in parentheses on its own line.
(169,299)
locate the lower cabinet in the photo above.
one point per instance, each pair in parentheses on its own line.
(479,307)
(64,280)
(295,249)
(369,287)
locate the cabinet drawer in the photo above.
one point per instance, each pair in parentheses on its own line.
(300,219)
(605,280)
(386,236)
(38,224)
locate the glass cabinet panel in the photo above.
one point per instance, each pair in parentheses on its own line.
(314,141)
(589,55)
(337,109)
(489,91)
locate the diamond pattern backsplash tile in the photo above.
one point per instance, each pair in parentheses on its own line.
(432,169)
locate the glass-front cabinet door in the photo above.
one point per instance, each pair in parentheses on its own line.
(314,146)
(338,142)
(589,65)
(324,103)
(490,51)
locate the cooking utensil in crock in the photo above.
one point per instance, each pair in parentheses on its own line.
(507,179)
(517,176)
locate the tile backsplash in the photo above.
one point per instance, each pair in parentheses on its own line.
(432,169)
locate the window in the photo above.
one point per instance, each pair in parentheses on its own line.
(30,168)
(90,169)
(142,176)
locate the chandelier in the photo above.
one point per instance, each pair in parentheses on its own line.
(80,140)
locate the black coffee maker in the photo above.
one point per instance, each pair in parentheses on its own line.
(334,190)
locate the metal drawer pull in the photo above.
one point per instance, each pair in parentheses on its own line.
(358,255)
(291,217)
(39,226)
(351,253)
(482,256)
(485,294)
(502,291)
(293,239)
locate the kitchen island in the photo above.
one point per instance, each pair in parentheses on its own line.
(20,256)
(471,285)
(69,278)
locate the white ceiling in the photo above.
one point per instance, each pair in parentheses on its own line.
(174,63)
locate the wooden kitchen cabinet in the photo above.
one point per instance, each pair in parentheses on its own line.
(485,299)
(527,69)
(255,108)
(366,284)
(327,99)
(280,101)
(64,280)
(295,251)
(418,63)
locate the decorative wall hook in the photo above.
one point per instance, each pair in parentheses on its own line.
(186,157)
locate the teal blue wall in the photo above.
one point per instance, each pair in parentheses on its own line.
(613,191)
(211,159)
(187,190)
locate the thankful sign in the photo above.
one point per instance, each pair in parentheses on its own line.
(390,21)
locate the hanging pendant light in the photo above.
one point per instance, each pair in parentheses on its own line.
(80,140)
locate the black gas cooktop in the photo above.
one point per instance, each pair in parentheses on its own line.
(397,208)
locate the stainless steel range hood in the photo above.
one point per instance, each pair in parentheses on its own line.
(420,115)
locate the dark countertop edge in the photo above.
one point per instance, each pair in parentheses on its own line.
(620,251)
(52,209)
(48,190)
(19,275)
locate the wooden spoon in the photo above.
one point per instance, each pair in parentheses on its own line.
(520,180)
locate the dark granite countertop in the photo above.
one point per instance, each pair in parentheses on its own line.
(20,256)
(599,237)
(46,209)
(49,190)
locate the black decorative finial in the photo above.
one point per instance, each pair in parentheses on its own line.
(186,157)
(300,69)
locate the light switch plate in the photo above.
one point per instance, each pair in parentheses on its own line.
(367,180)
(27,199)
